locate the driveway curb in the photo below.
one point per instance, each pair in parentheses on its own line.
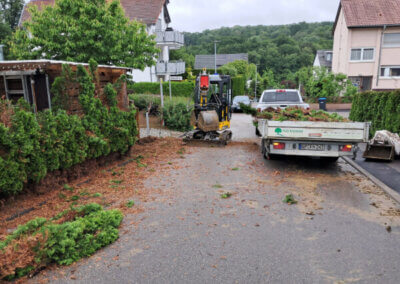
(393,194)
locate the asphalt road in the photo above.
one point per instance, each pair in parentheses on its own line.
(386,172)
(336,233)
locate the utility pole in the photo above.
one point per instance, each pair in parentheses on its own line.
(215,55)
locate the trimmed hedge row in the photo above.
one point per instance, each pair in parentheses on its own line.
(381,108)
(179,89)
(34,145)
(238,86)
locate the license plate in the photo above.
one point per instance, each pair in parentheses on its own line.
(312,147)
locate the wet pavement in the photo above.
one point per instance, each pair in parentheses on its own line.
(386,172)
(338,232)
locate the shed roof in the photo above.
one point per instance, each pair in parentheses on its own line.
(146,11)
(370,13)
(208,61)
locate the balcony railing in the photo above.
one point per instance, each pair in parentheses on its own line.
(173,39)
(170,68)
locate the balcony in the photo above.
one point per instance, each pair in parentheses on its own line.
(170,68)
(173,39)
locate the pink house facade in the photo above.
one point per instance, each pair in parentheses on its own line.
(367,43)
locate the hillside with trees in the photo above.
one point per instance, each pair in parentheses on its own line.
(283,49)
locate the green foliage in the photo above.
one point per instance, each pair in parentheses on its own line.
(130,203)
(320,83)
(83,30)
(226,195)
(380,108)
(289,199)
(299,114)
(177,116)
(247,109)
(284,49)
(179,89)
(37,144)
(91,229)
(142,102)
(238,86)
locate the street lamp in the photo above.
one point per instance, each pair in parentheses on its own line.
(215,55)
(255,86)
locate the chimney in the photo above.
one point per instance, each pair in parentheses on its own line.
(1,53)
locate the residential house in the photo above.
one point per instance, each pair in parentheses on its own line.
(367,43)
(208,61)
(323,58)
(154,14)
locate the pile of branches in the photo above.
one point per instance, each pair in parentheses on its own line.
(300,114)
(294,114)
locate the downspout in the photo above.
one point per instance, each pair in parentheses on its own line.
(380,56)
(1,53)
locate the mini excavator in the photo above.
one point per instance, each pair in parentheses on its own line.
(212,109)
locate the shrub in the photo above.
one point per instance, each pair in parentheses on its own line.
(177,116)
(47,241)
(33,145)
(380,108)
(179,89)
(238,86)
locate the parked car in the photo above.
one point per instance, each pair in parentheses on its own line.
(240,100)
(281,99)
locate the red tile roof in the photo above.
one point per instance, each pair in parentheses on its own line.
(39,3)
(146,11)
(371,13)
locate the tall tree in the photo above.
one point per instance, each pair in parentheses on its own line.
(83,30)
(10,12)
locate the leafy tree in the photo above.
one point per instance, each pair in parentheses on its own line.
(284,49)
(83,30)
(228,70)
(10,12)
(319,82)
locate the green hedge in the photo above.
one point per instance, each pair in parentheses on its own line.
(179,89)
(37,144)
(381,108)
(238,86)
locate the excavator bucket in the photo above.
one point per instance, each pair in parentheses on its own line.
(208,121)
(378,151)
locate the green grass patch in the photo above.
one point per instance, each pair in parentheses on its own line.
(235,169)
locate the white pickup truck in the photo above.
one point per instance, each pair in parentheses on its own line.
(328,140)
(281,99)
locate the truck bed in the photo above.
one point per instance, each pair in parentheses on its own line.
(354,132)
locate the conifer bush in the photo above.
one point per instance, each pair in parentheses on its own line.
(35,144)
(380,108)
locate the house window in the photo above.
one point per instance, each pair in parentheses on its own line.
(329,56)
(389,72)
(362,54)
(391,40)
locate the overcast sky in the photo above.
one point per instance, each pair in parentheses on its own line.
(198,15)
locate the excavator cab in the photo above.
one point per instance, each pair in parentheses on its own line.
(212,109)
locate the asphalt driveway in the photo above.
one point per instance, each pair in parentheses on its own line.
(343,229)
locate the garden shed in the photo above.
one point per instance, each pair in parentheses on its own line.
(32,80)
